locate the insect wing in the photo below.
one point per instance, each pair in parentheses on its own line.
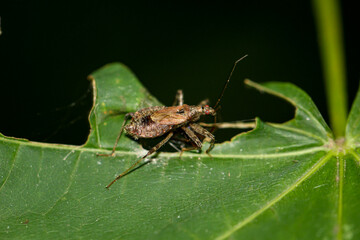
(168,116)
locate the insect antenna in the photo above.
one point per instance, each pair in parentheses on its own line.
(227,83)
(216,106)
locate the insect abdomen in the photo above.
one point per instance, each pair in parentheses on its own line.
(146,128)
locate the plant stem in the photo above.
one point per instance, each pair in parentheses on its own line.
(330,37)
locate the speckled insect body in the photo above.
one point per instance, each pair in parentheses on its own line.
(156,121)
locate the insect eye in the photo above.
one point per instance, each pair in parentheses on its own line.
(207,111)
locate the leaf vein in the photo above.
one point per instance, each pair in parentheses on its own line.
(265,155)
(250,218)
(11,168)
(296,130)
(356,155)
(132,153)
(97,129)
(340,176)
(69,185)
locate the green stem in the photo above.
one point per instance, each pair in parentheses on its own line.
(328,21)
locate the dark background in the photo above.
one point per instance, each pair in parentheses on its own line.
(47,49)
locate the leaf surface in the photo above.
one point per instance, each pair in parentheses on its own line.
(278,181)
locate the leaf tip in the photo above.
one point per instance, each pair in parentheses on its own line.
(253,84)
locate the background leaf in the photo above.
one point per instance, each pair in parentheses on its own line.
(274,182)
(353,124)
(116,92)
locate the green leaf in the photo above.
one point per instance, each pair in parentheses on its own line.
(278,181)
(353,124)
(116,91)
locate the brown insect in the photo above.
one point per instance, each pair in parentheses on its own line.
(156,121)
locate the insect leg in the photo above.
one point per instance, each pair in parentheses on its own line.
(187,149)
(152,150)
(118,137)
(194,139)
(192,136)
(174,147)
(178,142)
(179,98)
(200,130)
(204,102)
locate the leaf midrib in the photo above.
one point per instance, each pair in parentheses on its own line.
(81,148)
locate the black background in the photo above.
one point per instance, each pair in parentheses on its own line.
(48,48)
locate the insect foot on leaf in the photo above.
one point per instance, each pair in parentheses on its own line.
(156,121)
(112,154)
